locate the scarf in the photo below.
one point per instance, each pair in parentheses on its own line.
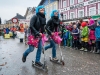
(42,18)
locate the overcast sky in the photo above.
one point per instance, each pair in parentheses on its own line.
(9,8)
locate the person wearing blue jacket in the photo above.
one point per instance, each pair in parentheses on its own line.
(65,37)
(97,35)
(7,30)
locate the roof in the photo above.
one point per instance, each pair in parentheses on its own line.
(27,11)
(41,2)
(32,10)
(18,16)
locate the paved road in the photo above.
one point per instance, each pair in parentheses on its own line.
(76,62)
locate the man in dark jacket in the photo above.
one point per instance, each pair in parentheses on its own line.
(79,23)
(53,25)
(37,24)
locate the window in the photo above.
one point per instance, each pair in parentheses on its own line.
(92,11)
(80,1)
(64,17)
(81,13)
(61,4)
(99,8)
(72,15)
(71,2)
(64,4)
(54,7)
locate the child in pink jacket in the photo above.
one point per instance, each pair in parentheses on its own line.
(92,40)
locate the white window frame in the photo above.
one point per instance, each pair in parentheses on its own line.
(92,11)
(54,6)
(99,8)
(61,4)
(64,16)
(79,13)
(71,2)
(80,1)
(64,4)
(71,15)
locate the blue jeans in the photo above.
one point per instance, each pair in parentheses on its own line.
(31,49)
(65,42)
(53,46)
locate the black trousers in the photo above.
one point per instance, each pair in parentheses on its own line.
(75,43)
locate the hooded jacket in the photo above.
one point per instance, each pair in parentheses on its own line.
(37,22)
(53,25)
(97,33)
(92,35)
(85,30)
(91,22)
(7,30)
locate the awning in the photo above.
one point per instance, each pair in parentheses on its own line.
(95,16)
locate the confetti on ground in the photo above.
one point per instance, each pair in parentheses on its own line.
(3,64)
(64,71)
(3,58)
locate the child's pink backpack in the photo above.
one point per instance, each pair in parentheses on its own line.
(56,38)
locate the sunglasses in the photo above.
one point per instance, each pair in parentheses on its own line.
(56,12)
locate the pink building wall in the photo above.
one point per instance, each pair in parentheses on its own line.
(85,7)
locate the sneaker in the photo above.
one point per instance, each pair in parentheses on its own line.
(76,48)
(24,58)
(55,59)
(94,51)
(91,51)
(98,52)
(82,49)
(85,50)
(38,64)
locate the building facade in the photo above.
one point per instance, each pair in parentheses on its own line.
(9,23)
(29,13)
(49,6)
(78,8)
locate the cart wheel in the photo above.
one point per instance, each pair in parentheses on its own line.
(63,63)
(50,58)
(46,68)
(32,63)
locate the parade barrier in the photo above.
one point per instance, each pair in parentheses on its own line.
(7,36)
(20,35)
(10,33)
